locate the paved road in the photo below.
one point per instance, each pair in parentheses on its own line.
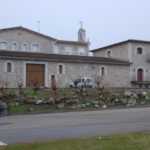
(27,128)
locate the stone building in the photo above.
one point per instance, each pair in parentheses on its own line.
(30,57)
(137,52)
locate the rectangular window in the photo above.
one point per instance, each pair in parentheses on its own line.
(3,45)
(35,47)
(81,52)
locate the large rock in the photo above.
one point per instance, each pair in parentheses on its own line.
(60,106)
(72,101)
(131,103)
(104,106)
(39,102)
(51,100)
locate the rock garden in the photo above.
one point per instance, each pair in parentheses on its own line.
(36,100)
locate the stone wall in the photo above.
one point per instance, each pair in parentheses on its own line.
(115,75)
(12,78)
(46,45)
(118,52)
(140,61)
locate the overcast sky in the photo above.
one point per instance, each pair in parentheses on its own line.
(106,21)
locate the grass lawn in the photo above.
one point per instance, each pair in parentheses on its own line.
(136,141)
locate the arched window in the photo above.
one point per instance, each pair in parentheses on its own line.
(139,50)
(25,47)
(109,53)
(53,82)
(9,67)
(103,71)
(14,46)
(140,75)
(60,69)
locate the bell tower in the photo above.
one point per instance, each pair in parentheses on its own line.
(82,33)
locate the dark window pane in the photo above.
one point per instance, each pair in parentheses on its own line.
(139,50)
(9,67)
(109,53)
(103,71)
(60,69)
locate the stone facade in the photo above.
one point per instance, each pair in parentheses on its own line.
(20,46)
(128,50)
(22,39)
(140,61)
(115,75)
(14,77)
(118,52)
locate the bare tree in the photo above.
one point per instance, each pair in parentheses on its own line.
(103,95)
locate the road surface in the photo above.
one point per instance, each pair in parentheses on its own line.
(31,128)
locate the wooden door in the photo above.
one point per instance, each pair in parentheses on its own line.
(35,75)
(140,75)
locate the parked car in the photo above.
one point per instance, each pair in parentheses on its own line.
(83,82)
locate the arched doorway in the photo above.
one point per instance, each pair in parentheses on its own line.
(140,75)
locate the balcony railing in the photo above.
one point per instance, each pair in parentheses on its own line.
(141,84)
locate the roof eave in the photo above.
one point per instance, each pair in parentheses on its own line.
(65,58)
(120,43)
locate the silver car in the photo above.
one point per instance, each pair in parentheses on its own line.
(83,82)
